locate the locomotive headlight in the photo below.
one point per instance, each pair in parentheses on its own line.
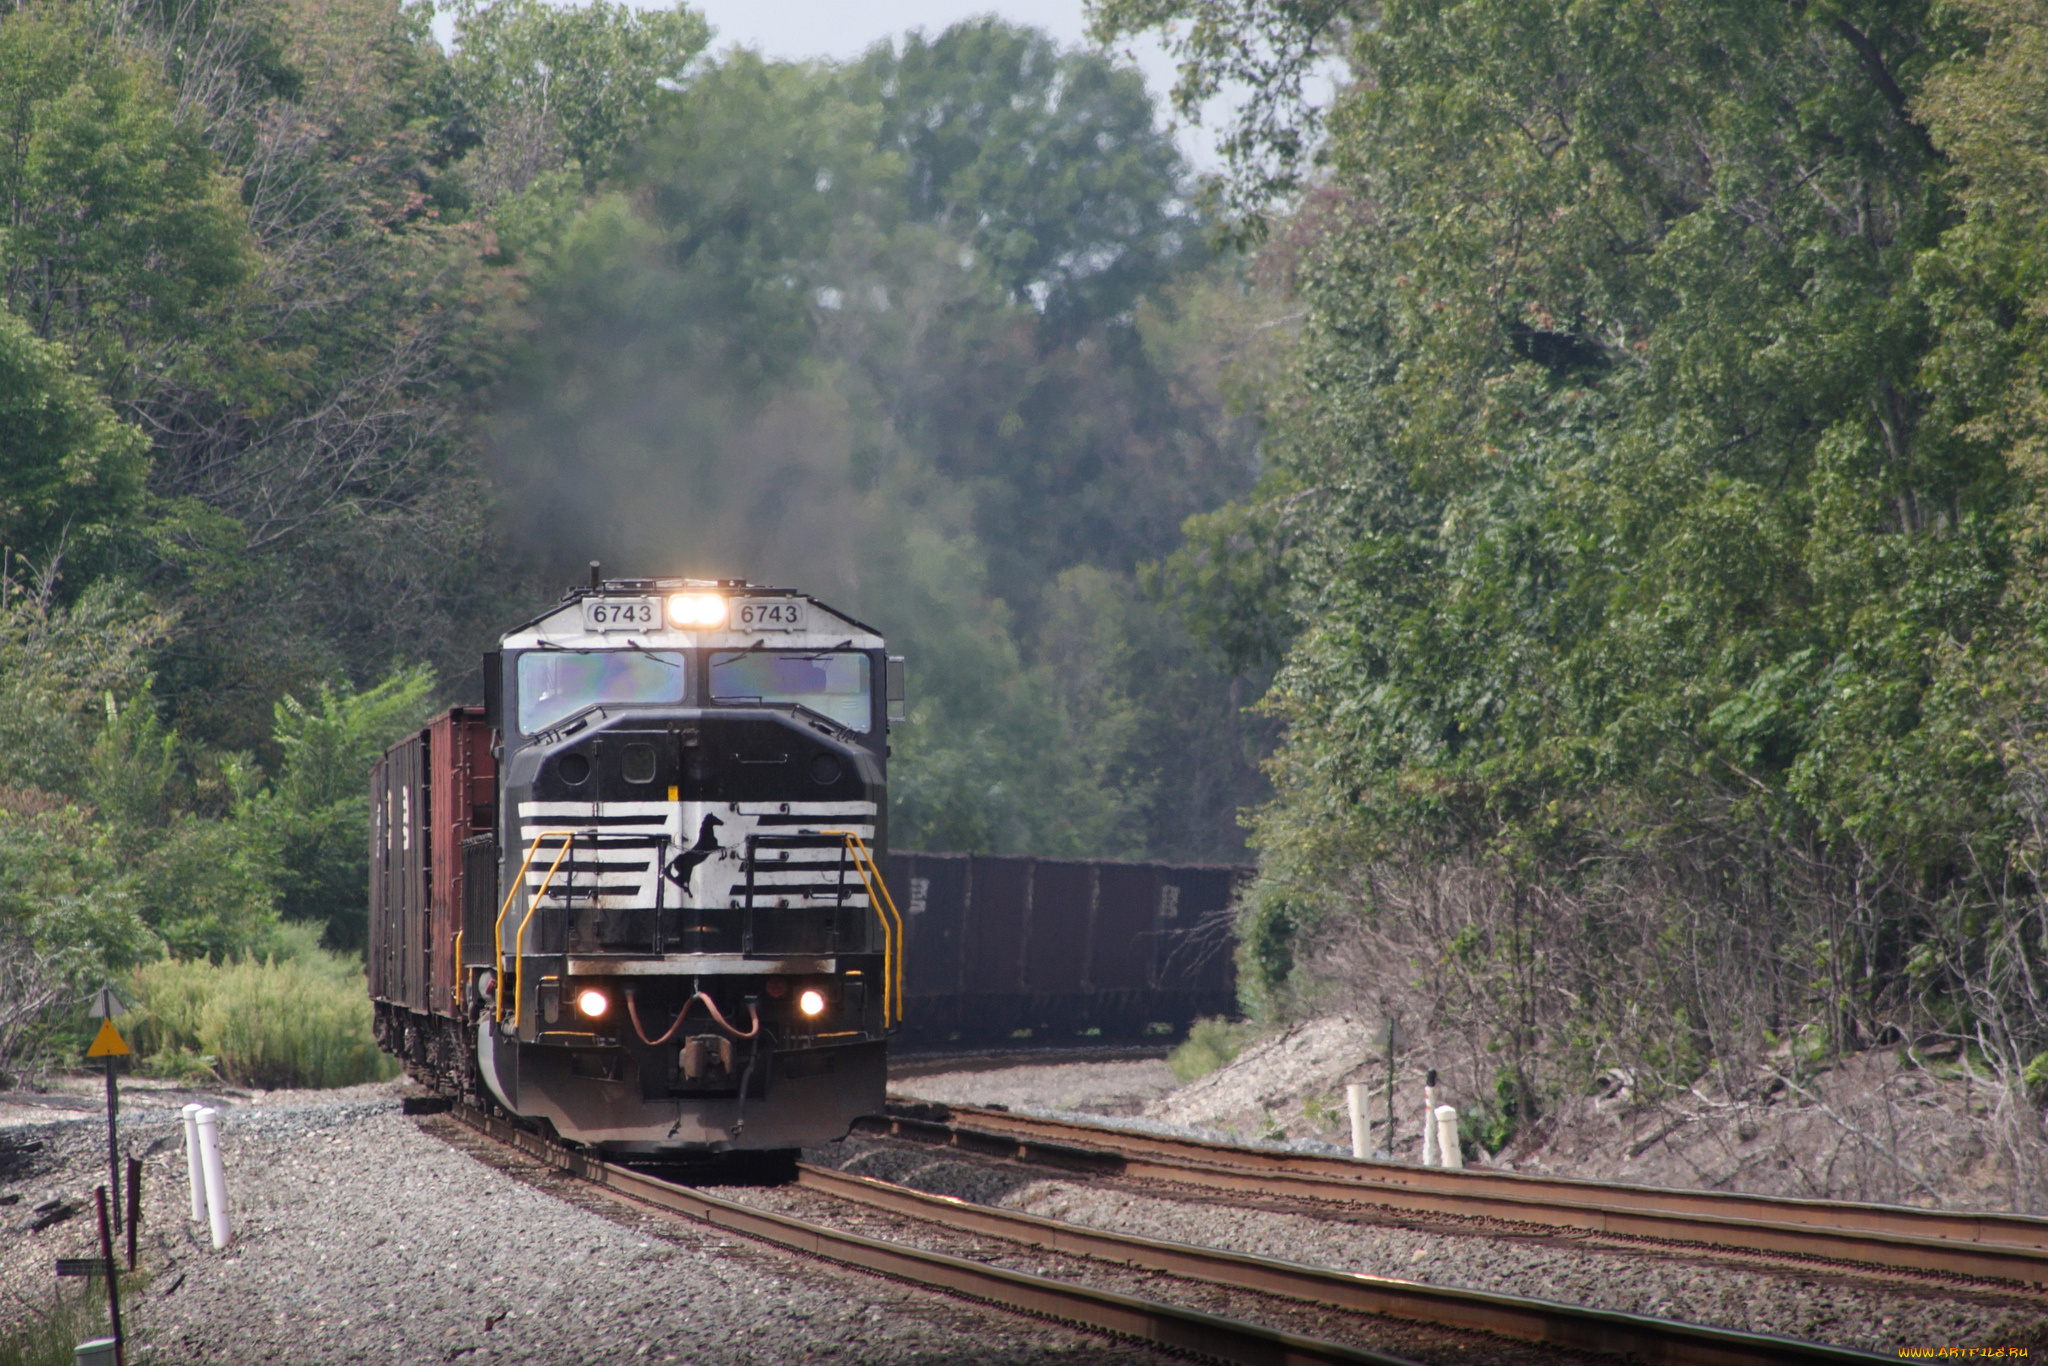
(811,1003)
(696,609)
(593,1003)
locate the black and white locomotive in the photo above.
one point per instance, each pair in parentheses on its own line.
(637,898)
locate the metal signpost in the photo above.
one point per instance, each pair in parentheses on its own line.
(1391,1036)
(113,1280)
(109,1044)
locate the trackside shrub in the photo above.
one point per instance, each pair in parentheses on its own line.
(1210,1044)
(300,1022)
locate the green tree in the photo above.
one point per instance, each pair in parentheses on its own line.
(309,828)
(58,662)
(119,224)
(74,473)
(1155,718)
(68,914)
(1648,499)
(226,216)
(544,85)
(1269,55)
(784,333)
(1047,161)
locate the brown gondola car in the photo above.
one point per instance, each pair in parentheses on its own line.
(1059,952)
(637,897)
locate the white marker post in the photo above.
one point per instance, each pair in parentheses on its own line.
(1447,1137)
(192,1165)
(1354,1095)
(208,1121)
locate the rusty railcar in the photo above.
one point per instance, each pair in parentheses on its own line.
(430,794)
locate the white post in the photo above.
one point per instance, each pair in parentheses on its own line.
(1429,1126)
(1361,1134)
(1447,1137)
(216,1175)
(192,1170)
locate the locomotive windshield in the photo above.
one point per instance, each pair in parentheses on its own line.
(832,683)
(554,684)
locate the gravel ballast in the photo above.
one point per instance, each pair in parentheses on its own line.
(361,1237)
(1370,1332)
(365,1235)
(1096,1088)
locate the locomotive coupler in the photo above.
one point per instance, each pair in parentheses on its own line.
(704,1053)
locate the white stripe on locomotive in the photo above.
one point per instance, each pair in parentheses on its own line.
(622,875)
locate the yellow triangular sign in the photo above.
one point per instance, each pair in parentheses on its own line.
(108,1042)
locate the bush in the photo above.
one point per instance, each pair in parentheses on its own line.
(301,1020)
(1211,1043)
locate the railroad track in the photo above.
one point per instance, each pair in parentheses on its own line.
(1990,1247)
(1162,1324)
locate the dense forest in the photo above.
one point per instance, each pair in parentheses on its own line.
(1654,505)
(1571,504)
(328,355)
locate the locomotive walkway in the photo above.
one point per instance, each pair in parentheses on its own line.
(1157,1322)
(1990,1247)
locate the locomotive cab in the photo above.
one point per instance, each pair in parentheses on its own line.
(674,934)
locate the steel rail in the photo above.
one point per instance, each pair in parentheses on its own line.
(1984,1246)
(1512,1316)
(1163,1325)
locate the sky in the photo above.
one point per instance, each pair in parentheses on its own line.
(796,29)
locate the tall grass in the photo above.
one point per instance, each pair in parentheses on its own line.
(50,1334)
(301,1020)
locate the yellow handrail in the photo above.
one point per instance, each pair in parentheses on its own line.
(457,989)
(519,940)
(892,957)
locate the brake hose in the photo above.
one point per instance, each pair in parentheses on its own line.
(633,1011)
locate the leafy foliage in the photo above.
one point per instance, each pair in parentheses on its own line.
(919,335)
(536,83)
(309,824)
(1266,53)
(119,222)
(1649,514)
(1046,162)
(74,473)
(322,349)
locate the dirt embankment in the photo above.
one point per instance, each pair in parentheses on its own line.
(1886,1125)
